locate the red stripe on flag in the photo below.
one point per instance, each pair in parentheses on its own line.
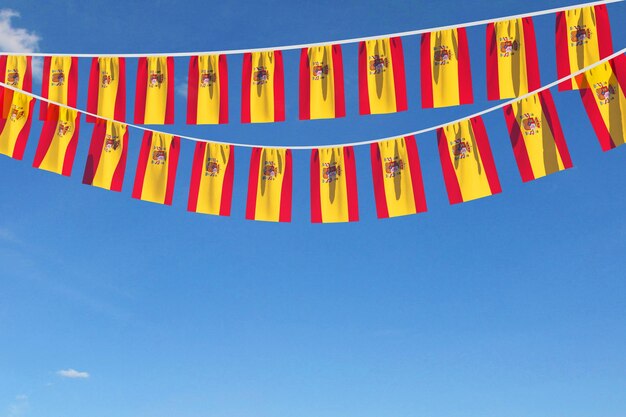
(227,186)
(171,80)
(22,137)
(245,87)
(223,69)
(379,183)
(449,176)
(351,187)
(562,53)
(253,182)
(305,85)
(118,176)
(193,78)
(28,75)
(120,94)
(279,87)
(142,163)
(3,91)
(602,132)
(285,192)
(70,152)
(95,149)
(140,92)
(364,99)
(199,156)
(399,78)
(426,72)
(493,81)
(419,196)
(603,27)
(549,109)
(72,85)
(45,139)
(340,101)
(172,164)
(92,94)
(482,142)
(45,88)
(316,200)
(532,61)
(466,96)
(519,146)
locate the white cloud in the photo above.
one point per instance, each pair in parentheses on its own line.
(22,397)
(14,39)
(20,407)
(72,373)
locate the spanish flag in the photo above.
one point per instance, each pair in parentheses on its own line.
(334,195)
(212,178)
(446,75)
(269,185)
(207,90)
(106,161)
(398,185)
(263,88)
(382,84)
(468,168)
(321,83)
(14,130)
(59,84)
(58,141)
(604,98)
(107,89)
(512,64)
(156,169)
(583,37)
(154,97)
(536,136)
(15,71)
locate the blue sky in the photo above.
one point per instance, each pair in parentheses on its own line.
(509,305)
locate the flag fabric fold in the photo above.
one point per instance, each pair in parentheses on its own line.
(106,161)
(58,141)
(397,175)
(263,87)
(212,177)
(207,90)
(59,84)
(154,96)
(17,72)
(321,83)
(14,130)
(107,89)
(270,185)
(156,168)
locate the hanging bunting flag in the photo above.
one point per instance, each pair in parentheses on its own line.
(382,83)
(58,141)
(15,71)
(212,178)
(14,130)
(321,83)
(512,64)
(604,97)
(334,196)
(466,160)
(107,89)
(398,185)
(536,136)
(59,84)
(446,75)
(106,162)
(583,37)
(156,168)
(207,90)
(154,97)
(263,88)
(269,185)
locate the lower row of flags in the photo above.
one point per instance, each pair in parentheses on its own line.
(466,159)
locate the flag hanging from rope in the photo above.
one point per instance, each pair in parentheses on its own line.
(58,142)
(537,137)
(466,160)
(107,89)
(154,96)
(212,178)
(207,90)
(512,64)
(263,88)
(15,71)
(397,175)
(59,84)
(14,130)
(382,83)
(106,162)
(156,168)
(321,83)
(270,185)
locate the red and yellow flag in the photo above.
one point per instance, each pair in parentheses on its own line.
(382,83)
(321,83)
(207,90)
(107,89)
(446,76)
(604,98)
(212,178)
(58,141)
(466,160)
(583,37)
(154,97)
(156,168)
(59,84)
(536,135)
(106,161)
(334,196)
(269,185)
(263,88)
(15,71)
(14,130)
(398,185)
(512,64)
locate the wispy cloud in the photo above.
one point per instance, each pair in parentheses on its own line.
(73,373)
(181,89)
(14,39)
(19,407)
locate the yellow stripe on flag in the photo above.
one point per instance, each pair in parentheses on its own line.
(270,184)
(397,180)
(333,186)
(582,40)
(15,71)
(156,91)
(216,157)
(65,130)
(108,85)
(445,67)
(380,80)
(262,79)
(110,155)
(15,122)
(322,86)
(610,99)
(60,67)
(512,76)
(157,168)
(209,79)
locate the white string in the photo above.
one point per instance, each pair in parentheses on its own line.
(309,45)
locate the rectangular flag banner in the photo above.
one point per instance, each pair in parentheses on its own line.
(334,196)
(212,178)
(321,83)
(106,162)
(604,98)
(58,141)
(269,185)
(156,168)
(382,83)
(583,37)
(59,84)
(154,97)
(536,135)
(263,87)
(398,185)
(207,90)
(466,160)
(15,71)
(446,76)
(512,64)
(107,89)
(14,130)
